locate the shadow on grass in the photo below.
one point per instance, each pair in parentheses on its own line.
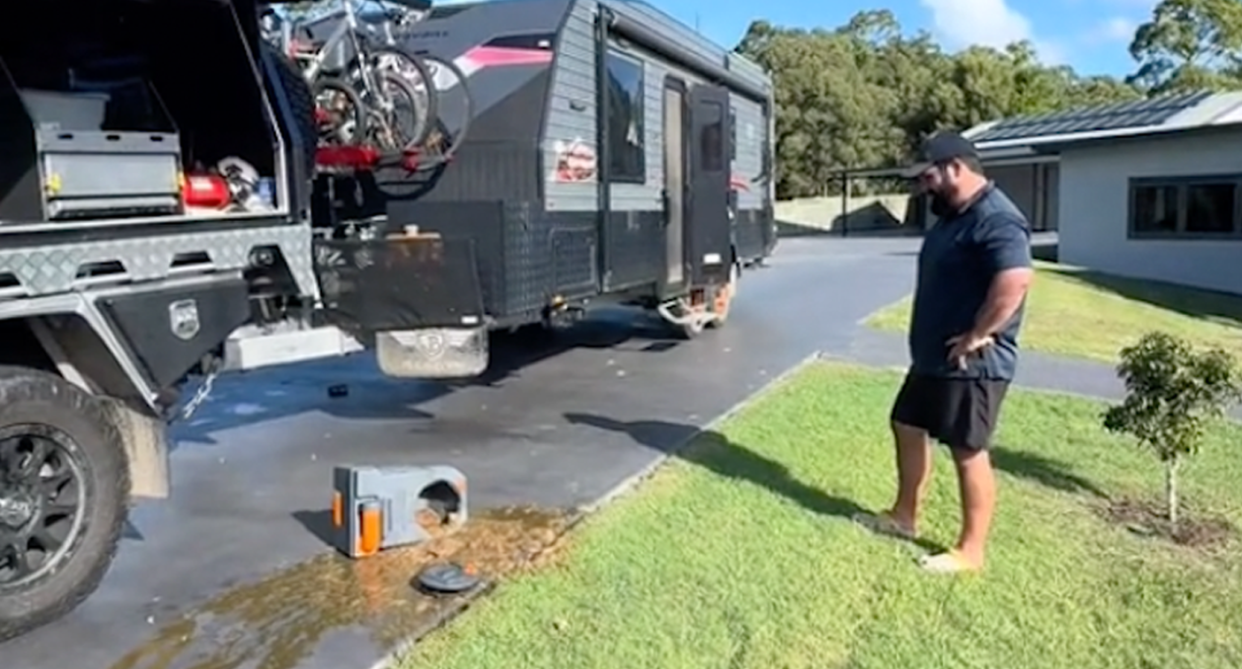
(715,452)
(1047,472)
(1193,302)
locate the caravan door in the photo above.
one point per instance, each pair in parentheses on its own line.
(708,227)
(675,185)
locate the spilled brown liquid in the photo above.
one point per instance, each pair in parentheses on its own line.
(278,622)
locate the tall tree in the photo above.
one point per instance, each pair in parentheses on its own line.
(1189,45)
(865,94)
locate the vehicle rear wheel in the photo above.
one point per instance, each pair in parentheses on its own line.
(64,492)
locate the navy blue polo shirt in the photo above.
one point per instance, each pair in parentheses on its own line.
(960,255)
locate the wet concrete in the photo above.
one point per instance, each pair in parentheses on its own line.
(281,620)
(236,562)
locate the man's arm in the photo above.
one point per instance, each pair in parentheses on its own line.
(1006,246)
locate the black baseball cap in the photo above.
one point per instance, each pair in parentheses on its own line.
(938,149)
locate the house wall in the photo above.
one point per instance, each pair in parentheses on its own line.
(572,117)
(1093,210)
(1032,188)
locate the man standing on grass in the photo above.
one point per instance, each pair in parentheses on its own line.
(973,273)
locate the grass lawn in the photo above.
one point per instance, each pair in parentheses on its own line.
(740,553)
(1091,315)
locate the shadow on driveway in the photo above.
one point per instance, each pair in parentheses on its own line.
(265,394)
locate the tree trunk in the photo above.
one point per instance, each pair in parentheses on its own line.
(1170,489)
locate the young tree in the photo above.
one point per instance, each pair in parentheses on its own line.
(1173,393)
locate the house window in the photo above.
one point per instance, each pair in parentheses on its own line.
(1210,208)
(1185,207)
(1154,209)
(626,145)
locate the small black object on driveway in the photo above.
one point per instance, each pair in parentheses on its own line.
(446,578)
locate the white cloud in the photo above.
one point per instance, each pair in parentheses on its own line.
(962,23)
(1115,29)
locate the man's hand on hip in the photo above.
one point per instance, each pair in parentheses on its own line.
(965,345)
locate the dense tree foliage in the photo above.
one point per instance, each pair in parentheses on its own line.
(864,94)
(1190,45)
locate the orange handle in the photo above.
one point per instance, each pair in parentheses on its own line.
(371,532)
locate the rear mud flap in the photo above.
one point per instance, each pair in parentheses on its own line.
(433,353)
(418,296)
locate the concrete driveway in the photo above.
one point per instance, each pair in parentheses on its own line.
(251,471)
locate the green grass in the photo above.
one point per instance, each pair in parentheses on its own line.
(1090,315)
(740,554)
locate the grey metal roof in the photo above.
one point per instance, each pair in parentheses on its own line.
(1138,117)
(1121,115)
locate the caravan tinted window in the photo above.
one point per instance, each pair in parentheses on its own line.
(732,135)
(712,146)
(625,119)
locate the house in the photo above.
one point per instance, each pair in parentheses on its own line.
(1147,189)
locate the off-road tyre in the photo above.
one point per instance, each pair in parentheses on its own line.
(301,101)
(34,397)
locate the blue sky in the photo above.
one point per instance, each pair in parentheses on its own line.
(1091,35)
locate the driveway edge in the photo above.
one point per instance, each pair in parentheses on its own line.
(634,480)
(627,485)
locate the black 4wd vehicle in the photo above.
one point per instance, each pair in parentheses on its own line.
(151,195)
(175,197)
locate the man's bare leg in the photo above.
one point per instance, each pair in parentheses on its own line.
(977,484)
(914,461)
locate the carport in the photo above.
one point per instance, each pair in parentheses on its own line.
(1030,179)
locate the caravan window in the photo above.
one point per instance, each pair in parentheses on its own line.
(625,119)
(732,134)
(712,146)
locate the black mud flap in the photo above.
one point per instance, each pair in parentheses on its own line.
(418,298)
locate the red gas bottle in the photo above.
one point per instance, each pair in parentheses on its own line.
(205,191)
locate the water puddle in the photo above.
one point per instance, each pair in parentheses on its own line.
(280,621)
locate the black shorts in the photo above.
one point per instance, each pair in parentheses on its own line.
(959,413)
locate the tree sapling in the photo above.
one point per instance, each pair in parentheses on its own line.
(1173,393)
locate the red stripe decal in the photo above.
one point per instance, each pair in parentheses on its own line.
(499,56)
